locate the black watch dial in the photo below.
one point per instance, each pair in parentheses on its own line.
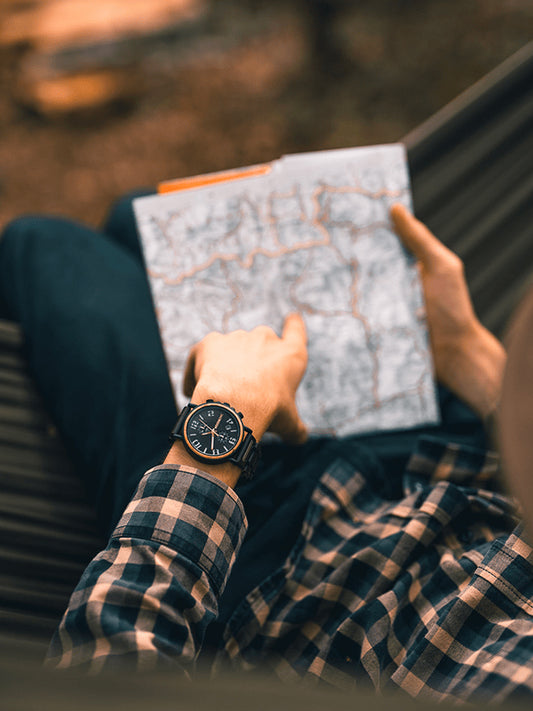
(213,431)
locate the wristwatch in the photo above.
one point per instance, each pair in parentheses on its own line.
(214,432)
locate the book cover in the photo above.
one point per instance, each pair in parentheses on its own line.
(308,233)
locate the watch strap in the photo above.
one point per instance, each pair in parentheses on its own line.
(247,455)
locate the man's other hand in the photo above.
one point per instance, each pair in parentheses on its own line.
(256,372)
(469,360)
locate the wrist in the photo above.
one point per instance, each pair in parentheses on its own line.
(475,371)
(226,472)
(257,413)
(213,435)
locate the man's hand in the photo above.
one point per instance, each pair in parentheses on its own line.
(469,360)
(256,372)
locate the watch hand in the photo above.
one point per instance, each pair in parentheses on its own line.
(205,423)
(214,432)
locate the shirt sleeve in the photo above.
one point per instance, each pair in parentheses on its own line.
(148,598)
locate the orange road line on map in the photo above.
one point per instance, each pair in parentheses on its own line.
(283,251)
(248,261)
(362,191)
(244,263)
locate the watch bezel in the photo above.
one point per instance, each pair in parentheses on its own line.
(213,457)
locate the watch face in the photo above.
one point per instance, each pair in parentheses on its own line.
(213,431)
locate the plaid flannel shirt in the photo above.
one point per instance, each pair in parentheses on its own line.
(432,593)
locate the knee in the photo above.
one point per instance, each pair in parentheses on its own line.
(121,215)
(18,228)
(13,250)
(36,253)
(14,239)
(120,210)
(121,226)
(28,227)
(22,236)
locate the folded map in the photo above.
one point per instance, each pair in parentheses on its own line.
(308,233)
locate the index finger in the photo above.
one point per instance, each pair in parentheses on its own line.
(294,330)
(417,238)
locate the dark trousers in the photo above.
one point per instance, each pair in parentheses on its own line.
(93,346)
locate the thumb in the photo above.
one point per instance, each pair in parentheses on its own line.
(417,237)
(289,425)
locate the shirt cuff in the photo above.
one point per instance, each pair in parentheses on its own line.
(191,512)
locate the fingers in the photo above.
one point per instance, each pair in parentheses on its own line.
(254,357)
(294,330)
(418,239)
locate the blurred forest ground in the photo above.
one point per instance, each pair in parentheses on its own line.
(241,82)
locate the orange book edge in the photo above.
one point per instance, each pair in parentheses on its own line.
(223,176)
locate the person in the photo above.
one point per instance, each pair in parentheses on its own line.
(394,560)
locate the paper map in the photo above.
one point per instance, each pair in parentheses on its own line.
(312,236)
